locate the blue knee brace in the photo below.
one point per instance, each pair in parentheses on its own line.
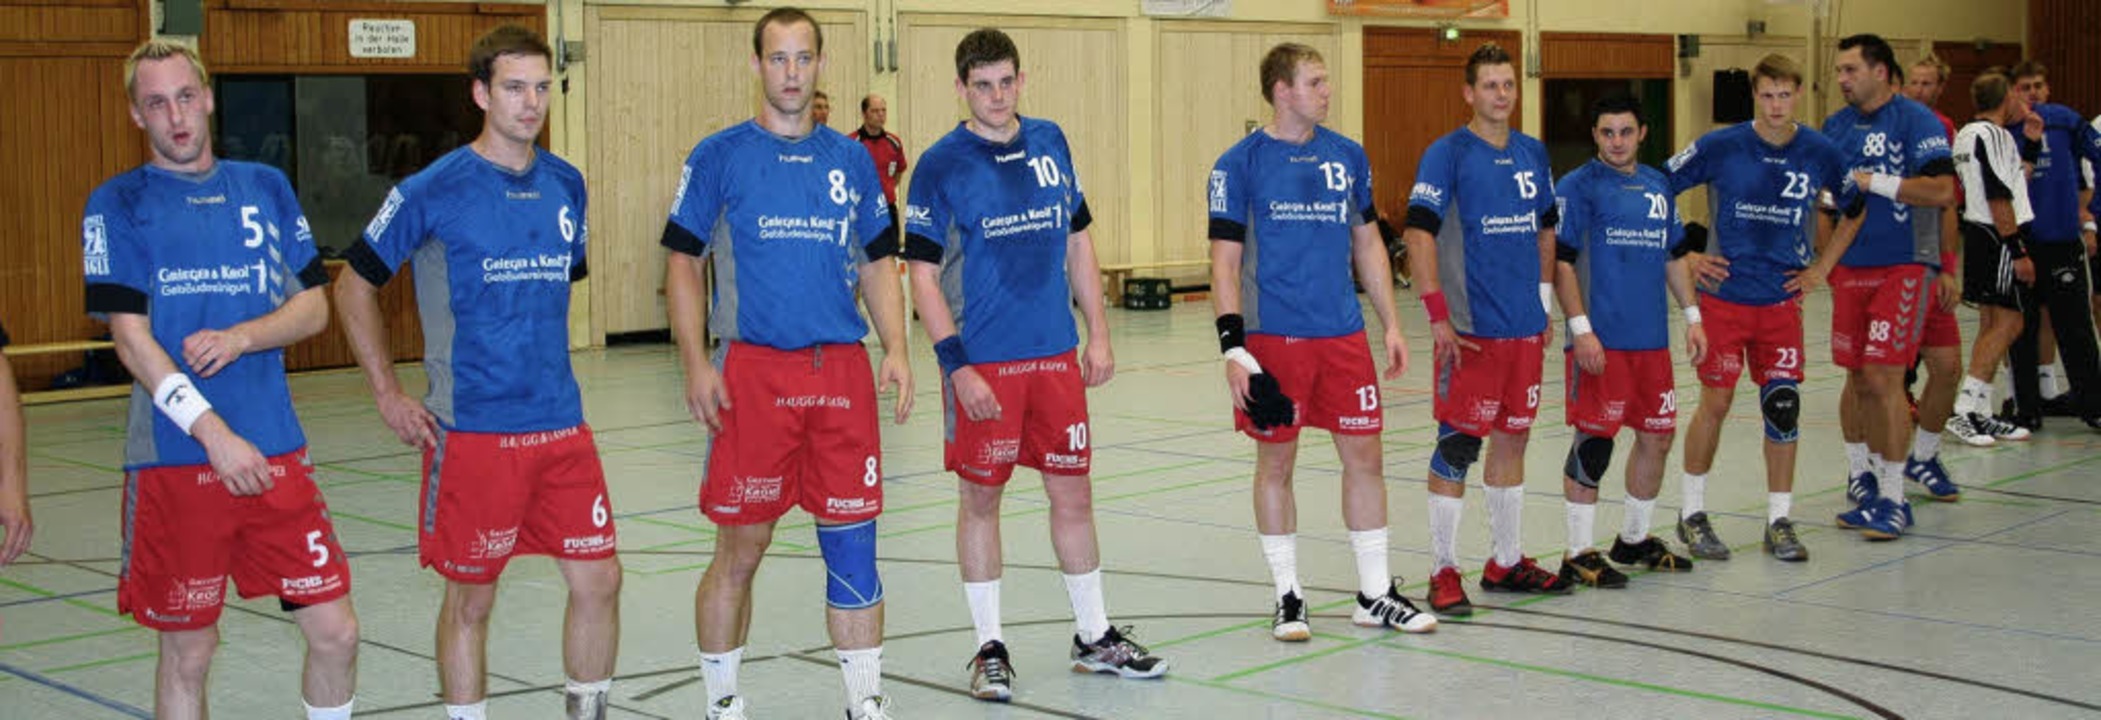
(1456,451)
(1781,404)
(849,563)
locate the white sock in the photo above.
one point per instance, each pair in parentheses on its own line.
(1582,523)
(1373,576)
(864,674)
(2047,375)
(1444,531)
(1925,445)
(1282,552)
(1506,507)
(341,712)
(1975,397)
(1089,613)
(1635,528)
(1692,492)
(984,609)
(1858,459)
(719,671)
(1777,505)
(477,711)
(1891,479)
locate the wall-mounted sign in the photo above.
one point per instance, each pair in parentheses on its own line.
(1442,9)
(382,38)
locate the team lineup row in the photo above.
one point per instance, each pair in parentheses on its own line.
(206,269)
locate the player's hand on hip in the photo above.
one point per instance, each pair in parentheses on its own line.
(409,420)
(209,351)
(974,394)
(1396,354)
(238,464)
(707,396)
(1696,343)
(2024,271)
(1446,344)
(1708,269)
(897,377)
(1806,279)
(15,521)
(1590,354)
(1236,383)
(1097,364)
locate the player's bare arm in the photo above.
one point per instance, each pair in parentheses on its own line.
(302,316)
(972,392)
(1678,276)
(357,300)
(1225,300)
(15,519)
(238,463)
(1445,343)
(686,306)
(1083,271)
(1375,273)
(885,300)
(1590,353)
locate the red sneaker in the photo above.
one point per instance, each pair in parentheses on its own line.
(1448,594)
(1524,577)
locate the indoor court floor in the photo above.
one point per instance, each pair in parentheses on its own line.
(1984,610)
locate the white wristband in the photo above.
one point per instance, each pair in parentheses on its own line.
(2088,226)
(1579,325)
(180,401)
(1546,297)
(1692,314)
(1240,356)
(1885,184)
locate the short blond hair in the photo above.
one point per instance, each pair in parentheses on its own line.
(1940,67)
(1779,68)
(161,49)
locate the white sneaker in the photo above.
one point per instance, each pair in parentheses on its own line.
(1290,622)
(873,707)
(729,708)
(1964,427)
(1392,611)
(1998,428)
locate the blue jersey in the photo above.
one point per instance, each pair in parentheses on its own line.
(997,216)
(1902,138)
(2054,187)
(1294,206)
(493,251)
(1762,201)
(1487,205)
(202,252)
(789,223)
(1620,231)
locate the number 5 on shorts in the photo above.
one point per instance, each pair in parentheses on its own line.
(315,547)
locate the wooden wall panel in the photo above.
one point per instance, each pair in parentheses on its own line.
(84,21)
(1965,63)
(315,37)
(331,348)
(1412,90)
(1074,76)
(660,79)
(1606,55)
(2062,34)
(1210,90)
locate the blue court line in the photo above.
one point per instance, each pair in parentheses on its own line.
(74,691)
(1887,613)
(49,598)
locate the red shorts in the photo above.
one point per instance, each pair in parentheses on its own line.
(1331,380)
(1494,388)
(1042,422)
(184,534)
(1941,328)
(800,430)
(1878,315)
(1767,338)
(1636,390)
(488,497)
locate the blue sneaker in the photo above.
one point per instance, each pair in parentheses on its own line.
(1876,519)
(1934,477)
(1862,488)
(1899,511)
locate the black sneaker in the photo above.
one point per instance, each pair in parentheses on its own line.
(1650,553)
(991,673)
(2064,405)
(1290,623)
(1590,568)
(1781,543)
(1524,577)
(1116,653)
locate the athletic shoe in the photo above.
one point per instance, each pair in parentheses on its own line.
(991,674)
(2093,422)
(1931,474)
(1392,611)
(1448,594)
(873,707)
(1116,653)
(2061,406)
(1697,532)
(729,708)
(1965,427)
(1862,488)
(1290,623)
(1590,568)
(1876,519)
(1999,428)
(1524,577)
(585,706)
(1900,510)
(1781,543)
(1650,553)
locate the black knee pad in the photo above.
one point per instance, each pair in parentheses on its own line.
(1588,458)
(1781,404)
(1456,451)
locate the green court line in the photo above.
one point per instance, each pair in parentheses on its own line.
(1249,625)
(62,639)
(102,662)
(334,467)
(2043,471)
(1284,698)
(670,524)
(333,513)
(1618,682)
(681,543)
(1296,659)
(76,463)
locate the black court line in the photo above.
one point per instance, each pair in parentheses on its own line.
(2035,496)
(915,682)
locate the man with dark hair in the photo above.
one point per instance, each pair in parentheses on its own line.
(1000,252)
(885,148)
(495,232)
(205,271)
(1298,196)
(1996,217)
(820,109)
(1619,248)
(2058,138)
(16,526)
(1763,177)
(793,217)
(1481,223)
(1884,282)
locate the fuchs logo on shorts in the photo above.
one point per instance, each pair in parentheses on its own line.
(588,543)
(756,490)
(197,593)
(852,506)
(1357,422)
(1520,423)
(312,584)
(526,440)
(1659,423)
(494,544)
(1059,461)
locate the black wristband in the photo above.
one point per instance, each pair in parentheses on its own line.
(1232,331)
